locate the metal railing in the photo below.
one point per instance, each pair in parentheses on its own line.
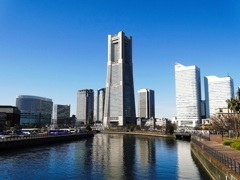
(222,158)
(207,138)
(19,137)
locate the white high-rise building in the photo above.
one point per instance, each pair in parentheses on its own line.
(217,91)
(188,95)
(146,103)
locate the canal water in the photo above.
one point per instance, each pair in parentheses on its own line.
(105,156)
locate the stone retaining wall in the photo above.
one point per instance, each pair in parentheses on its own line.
(36,141)
(215,169)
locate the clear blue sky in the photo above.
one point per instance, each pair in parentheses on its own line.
(52,48)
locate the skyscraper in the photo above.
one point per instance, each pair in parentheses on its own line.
(119,100)
(217,91)
(85,106)
(188,95)
(146,103)
(99,100)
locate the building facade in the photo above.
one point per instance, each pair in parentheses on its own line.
(188,95)
(61,114)
(34,109)
(217,91)
(9,117)
(119,99)
(99,100)
(146,103)
(85,100)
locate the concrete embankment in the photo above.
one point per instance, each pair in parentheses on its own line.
(144,133)
(37,141)
(213,166)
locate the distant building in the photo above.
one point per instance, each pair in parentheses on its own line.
(61,113)
(99,100)
(203,109)
(9,117)
(146,103)
(34,109)
(119,100)
(85,100)
(188,95)
(217,91)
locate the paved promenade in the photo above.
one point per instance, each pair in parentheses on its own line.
(215,143)
(225,155)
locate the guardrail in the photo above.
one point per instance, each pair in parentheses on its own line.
(222,158)
(19,137)
(207,138)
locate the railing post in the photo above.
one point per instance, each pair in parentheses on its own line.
(235,167)
(238,168)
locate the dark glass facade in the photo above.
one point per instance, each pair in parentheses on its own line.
(34,109)
(9,117)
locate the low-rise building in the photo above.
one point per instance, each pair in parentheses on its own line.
(9,117)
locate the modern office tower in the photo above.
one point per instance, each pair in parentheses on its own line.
(85,106)
(99,100)
(119,98)
(146,103)
(61,113)
(188,95)
(217,91)
(34,109)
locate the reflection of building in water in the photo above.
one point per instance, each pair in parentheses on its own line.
(111,155)
(142,152)
(146,152)
(185,164)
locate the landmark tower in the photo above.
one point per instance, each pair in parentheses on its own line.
(119,98)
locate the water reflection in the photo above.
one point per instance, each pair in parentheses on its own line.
(106,156)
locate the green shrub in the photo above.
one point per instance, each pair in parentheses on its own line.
(234,144)
(227,142)
(237,147)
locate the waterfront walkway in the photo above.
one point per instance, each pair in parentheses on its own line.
(224,154)
(215,143)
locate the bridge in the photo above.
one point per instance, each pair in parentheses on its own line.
(183,136)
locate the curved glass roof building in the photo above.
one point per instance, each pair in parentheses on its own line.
(34,109)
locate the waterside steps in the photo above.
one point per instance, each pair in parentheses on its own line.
(183,136)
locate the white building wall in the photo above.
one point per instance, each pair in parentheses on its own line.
(217,91)
(188,95)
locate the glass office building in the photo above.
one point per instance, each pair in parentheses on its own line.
(60,113)
(85,100)
(217,91)
(188,95)
(99,100)
(146,103)
(34,109)
(119,98)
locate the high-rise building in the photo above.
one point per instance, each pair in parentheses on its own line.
(61,113)
(99,100)
(146,103)
(188,95)
(85,106)
(119,98)
(217,91)
(34,109)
